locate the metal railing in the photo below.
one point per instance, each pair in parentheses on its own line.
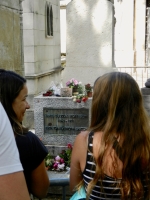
(61,181)
(140,74)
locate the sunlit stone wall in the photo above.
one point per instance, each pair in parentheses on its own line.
(90,39)
(11,36)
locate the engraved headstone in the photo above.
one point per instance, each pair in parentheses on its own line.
(59,119)
(65,121)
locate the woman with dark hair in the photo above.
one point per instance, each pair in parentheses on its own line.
(13,93)
(112,158)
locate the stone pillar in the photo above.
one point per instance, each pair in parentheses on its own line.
(90,36)
(146,99)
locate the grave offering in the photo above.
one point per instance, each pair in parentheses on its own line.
(66,92)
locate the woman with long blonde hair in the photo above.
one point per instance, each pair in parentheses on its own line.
(112,158)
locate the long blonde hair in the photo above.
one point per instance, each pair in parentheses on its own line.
(117,106)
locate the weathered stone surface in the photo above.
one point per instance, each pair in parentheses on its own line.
(147,84)
(146,99)
(41,102)
(14,4)
(145,91)
(90,39)
(10,36)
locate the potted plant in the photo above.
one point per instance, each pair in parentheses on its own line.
(88,89)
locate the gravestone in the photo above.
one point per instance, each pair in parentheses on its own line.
(90,40)
(65,121)
(59,119)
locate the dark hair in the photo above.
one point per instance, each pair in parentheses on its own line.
(11,84)
(117,107)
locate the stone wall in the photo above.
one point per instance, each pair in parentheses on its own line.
(11,55)
(146,99)
(41,53)
(42,57)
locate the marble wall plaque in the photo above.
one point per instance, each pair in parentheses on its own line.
(65,121)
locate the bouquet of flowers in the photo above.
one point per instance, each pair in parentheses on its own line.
(80,97)
(60,162)
(72,83)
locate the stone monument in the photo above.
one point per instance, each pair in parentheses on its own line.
(89,39)
(146,96)
(59,119)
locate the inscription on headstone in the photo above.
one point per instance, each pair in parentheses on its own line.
(65,121)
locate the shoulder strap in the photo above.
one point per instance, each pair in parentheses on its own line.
(90,141)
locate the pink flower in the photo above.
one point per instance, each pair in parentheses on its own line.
(61,160)
(75,82)
(68,83)
(55,165)
(69,146)
(57,158)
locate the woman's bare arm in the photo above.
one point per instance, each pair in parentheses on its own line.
(40,181)
(13,186)
(78,159)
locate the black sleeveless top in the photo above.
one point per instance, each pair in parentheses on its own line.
(105,189)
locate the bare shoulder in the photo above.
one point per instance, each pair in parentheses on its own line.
(80,143)
(82,136)
(78,158)
(80,147)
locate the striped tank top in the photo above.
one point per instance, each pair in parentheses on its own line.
(109,189)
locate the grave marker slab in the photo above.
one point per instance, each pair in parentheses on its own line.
(65,121)
(59,119)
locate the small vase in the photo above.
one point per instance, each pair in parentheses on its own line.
(89,94)
(74,90)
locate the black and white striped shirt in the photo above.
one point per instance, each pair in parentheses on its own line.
(106,189)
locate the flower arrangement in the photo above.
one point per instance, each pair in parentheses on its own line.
(60,162)
(88,87)
(80,97)
(49,92)
(73,83)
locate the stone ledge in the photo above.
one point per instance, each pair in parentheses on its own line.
(145,91)
(40,75)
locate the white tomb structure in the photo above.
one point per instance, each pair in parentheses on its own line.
(90,39)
